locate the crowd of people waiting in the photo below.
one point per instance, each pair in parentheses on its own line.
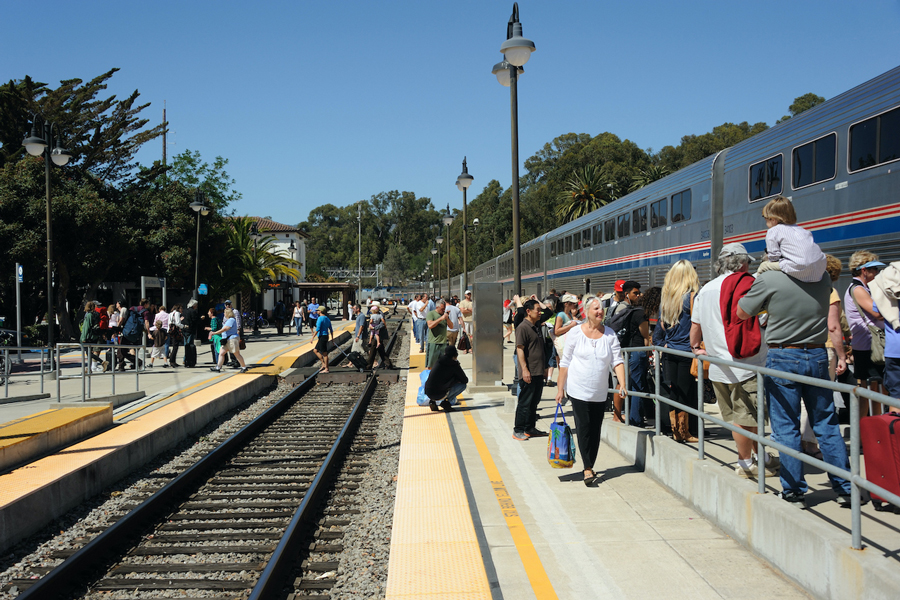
(787,317)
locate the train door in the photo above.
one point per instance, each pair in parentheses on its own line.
(587,286)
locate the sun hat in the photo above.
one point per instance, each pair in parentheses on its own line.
(569,298)
(873,264)
(732,250)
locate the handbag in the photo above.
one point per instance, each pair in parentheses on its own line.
(421,398)
(875,333)
(464,343)
(695,368)
(560,443)
(242,344)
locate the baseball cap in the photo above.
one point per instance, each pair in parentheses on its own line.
(467,292)
(323,308)
(873,264)
(618,286)
(228,302)
(732,250)
(569,298)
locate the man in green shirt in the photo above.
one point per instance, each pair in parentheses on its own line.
(437,321)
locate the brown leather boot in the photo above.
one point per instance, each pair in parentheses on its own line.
(684,429)
(676,426)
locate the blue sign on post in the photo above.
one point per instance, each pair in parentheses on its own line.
(202,290)
(20,274)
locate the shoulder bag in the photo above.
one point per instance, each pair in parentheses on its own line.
(876,334)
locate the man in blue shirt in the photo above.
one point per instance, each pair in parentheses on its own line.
(323,328)
(313,312)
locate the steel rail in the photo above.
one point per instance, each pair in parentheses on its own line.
(131,526)
(284,557)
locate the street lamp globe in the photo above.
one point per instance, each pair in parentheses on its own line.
(434,248)
(517,49)
(440,240)
(34,144)
(448,218)
(60,156)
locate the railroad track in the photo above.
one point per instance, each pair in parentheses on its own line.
(233,524)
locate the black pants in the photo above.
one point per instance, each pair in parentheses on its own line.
(173,351)
(526,408)
(279,325)
(588,422)
(375,347)
(681,385)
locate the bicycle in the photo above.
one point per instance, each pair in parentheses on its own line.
(249,319)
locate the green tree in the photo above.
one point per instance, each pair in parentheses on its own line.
(648,175)
(801,104)
(103,134)
(584,192)
(191,170)
(247,263)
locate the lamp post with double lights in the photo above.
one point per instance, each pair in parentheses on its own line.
(292,249)
(463,182)
(254,235)
(36,144)
(516,52)
(201,209)
(435,250)
(448,220)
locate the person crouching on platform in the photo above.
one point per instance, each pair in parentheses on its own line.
(323,328)
(591,349)
(447,380)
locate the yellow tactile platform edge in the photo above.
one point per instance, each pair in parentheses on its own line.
(434,549)
(16,432)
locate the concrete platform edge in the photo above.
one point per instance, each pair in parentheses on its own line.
(816,556)
(35,510)
(45,442)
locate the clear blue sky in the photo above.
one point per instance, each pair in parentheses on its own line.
(317,102)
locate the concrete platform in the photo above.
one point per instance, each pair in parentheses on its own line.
(661,524)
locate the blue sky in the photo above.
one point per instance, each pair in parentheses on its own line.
(318,102)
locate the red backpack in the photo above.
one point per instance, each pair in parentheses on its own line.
(104,317)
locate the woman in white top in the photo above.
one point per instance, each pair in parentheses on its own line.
(176,335)
(591,349)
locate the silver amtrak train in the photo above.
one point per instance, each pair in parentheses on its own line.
(839,163)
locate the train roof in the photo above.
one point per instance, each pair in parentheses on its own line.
(873,96)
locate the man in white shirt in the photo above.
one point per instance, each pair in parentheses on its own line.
(455,323)
(736,391)
(418,307)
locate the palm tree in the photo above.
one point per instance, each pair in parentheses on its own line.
(586,191)
(648,175)
(246,265)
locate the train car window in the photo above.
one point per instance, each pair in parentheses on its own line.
(814,162)
(765,179)
(889,136)
(586,238)
(598,234)
(610,227)
(875,141)
(568,244)
(576,243)
(681,206)
(552,249)
(658,213)
(639,219)
(624,222)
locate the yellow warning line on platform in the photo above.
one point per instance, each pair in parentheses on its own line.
(537,576)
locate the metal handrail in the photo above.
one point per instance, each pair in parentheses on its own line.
(855,392)
(6,361)
(85,373)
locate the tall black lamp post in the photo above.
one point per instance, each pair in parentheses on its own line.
(448,220)
(254,235)
(463,182)
(36,144)
(516,52)
(201,209)
(292,249)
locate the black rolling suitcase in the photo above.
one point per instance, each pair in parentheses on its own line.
(190,355)
(356,359)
